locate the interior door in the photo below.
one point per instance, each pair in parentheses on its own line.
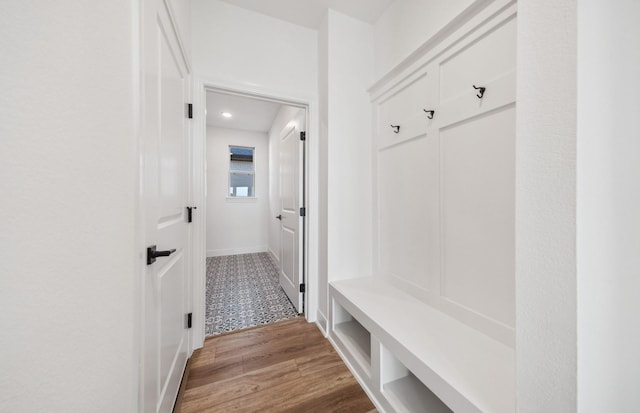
(291,202)
(164,198)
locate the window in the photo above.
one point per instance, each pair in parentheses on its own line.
(241,172)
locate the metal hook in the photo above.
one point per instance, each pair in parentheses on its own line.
(396,128)
(481,91)
(429,113)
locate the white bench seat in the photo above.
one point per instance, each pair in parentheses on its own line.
(467,370)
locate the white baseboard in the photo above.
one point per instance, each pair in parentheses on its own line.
(275,257)
(321,321)
(236,251)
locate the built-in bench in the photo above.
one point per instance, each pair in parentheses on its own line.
(410,357)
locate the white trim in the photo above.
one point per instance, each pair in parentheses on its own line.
(237,251)
(200,86)
(473,17)
(174,25)
(139,230)
(252,173)
(242,199)
(322,321)
(275,258)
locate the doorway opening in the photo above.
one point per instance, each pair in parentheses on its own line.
(255,210)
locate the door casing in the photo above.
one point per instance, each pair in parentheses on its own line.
(198,192)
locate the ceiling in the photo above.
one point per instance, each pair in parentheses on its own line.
(248,113)
(309,13)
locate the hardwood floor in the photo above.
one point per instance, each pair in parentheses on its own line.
(282,367)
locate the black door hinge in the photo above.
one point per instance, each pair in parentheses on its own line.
(302,288)
(303,212)
(189,320)
(190,110)
(190,213)
(303,136)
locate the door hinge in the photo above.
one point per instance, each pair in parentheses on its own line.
(303,212)
(302,288)
(303,136)
(190,213)
(190,110)
(189,320)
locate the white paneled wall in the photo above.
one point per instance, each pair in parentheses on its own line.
(446,186)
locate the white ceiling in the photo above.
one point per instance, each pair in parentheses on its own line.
(248,114)
(310,13)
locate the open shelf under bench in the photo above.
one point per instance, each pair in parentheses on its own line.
(467,370)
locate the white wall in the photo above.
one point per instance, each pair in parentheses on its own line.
(323,110)
(608,206)
(242,50)
(349,193)
(231,44)
(546,207)
(67,179)
(406,24)
(236,225)
(285,115)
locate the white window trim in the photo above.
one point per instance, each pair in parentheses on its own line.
(229,172)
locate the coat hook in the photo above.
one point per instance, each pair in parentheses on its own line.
(481,90)
(396,128)
(429,113)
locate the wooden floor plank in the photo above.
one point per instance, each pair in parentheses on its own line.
(206,397)
(282,367)
(311,364)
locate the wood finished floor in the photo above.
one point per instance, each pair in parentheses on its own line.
(284,367)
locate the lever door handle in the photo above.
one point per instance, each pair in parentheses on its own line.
(279,217)
(152,254)
(190,213)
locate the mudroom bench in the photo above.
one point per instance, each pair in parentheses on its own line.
(410,357)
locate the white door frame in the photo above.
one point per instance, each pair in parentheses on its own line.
(198,192)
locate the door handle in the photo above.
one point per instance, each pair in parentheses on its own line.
(190,213)
(279,217)
(152,254)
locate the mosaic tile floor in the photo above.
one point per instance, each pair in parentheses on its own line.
(243,291)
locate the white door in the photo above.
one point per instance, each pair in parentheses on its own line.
(164,198)
(291,201)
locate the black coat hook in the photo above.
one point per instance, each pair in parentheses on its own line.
(396,128)
(429,113)
(481,90)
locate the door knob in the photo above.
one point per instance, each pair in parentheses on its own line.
(279,217)
(152,254)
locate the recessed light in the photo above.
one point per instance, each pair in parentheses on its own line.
(226,114)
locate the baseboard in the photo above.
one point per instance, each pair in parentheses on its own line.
(275,257)
(321,321)
(236,251)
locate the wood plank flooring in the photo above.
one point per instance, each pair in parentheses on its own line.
(283,367)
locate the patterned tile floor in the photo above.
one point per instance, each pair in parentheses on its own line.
(244,291)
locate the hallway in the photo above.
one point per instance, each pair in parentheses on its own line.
(283,367)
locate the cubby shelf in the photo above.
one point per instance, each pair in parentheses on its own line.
(357,338)
(353,337)
(409,395)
